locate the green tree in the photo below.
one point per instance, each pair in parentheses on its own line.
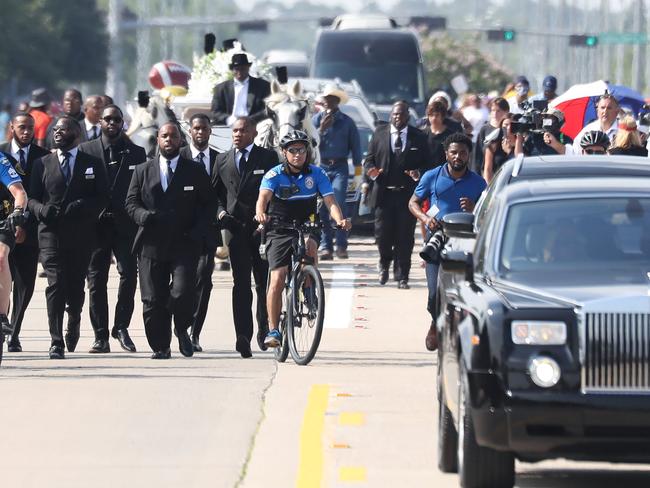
(50,42)
(446,57)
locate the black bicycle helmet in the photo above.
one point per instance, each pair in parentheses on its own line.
(294,136)
(594,138)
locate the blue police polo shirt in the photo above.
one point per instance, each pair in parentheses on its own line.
(8,175)
(445,192)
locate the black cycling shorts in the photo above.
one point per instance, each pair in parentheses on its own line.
(278,247)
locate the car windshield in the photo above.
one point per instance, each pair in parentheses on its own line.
(587,238)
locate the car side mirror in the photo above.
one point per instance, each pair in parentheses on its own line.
(459,224)
(458,262)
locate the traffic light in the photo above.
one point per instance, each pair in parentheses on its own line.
(501,35)
(583,40)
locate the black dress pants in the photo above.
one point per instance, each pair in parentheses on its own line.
(100,264)
(23,262)
(394,232)
(203,290)
(66,274)
(244,258)
(167,289)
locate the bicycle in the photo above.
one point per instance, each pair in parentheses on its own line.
(303,300)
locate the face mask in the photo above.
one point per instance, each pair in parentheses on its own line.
(522,90)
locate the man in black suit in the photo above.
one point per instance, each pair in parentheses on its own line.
(396,154)
(23,260)
(115,231)
(237,178)
(68,190)
(198,150)
(171,200)
(241,96)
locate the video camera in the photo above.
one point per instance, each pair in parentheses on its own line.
(534,119)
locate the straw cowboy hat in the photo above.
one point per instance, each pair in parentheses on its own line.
(334,91)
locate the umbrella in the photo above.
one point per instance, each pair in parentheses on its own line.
(578,103)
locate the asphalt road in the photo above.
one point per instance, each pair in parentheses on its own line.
(363,414)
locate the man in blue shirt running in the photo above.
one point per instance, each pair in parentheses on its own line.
(450,188)
(290,192)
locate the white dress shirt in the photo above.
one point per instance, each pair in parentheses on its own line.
(206,156)
(239,106)
(238,155)
(15,148)
(89,129)
(595,125)
(71,161)
(393,137)
(162,166)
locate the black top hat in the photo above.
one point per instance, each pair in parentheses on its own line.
(239,59)
(40,98)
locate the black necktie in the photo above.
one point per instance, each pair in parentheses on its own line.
(95,134)
(65,167)
(170,173)
(200,159)
(242,161)
(398,144)
(22,164)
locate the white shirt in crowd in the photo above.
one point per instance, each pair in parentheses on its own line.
(393,137)
(595,125)
(162,166)
(92,130)
(206,156)
(239,106)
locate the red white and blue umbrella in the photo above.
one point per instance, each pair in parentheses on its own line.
(578,103)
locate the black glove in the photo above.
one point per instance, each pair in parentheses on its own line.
(73,208)
(49,213)
(230,223)
(16,218)
(156,217)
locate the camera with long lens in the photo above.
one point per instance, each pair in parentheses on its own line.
(534,119)
(432,248)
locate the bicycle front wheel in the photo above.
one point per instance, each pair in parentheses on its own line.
(306,315)
(282,351)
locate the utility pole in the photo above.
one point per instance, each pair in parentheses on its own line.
(114,75)
(638,50)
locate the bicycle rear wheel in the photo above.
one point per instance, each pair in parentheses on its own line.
(282,351)
(306,315)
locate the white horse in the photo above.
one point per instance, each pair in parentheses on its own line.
(288,109)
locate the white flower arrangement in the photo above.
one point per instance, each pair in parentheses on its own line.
(212,69)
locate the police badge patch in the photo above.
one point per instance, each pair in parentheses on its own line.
(4,160)
(12,173)
(309,182)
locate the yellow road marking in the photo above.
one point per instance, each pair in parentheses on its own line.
(351,418)
(310,468)
(352,473)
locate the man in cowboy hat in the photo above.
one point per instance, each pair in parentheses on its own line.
(339,138)
(240,97)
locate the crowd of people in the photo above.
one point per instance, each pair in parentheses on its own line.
(78,194)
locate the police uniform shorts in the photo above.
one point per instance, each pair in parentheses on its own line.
(278,247)
(7,237)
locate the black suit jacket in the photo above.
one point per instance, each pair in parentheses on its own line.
(415,155)
(188,207)
(47,186)
(224,98)
(237,194)
(129,156)
(212,235)
(35,152)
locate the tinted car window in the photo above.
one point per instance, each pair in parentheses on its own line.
(599,236)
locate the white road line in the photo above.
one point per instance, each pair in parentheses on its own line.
(339,299)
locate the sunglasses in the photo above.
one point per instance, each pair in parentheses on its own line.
(595,151)
(108,120)
(297,150)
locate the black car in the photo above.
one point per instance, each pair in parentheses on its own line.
(544,345)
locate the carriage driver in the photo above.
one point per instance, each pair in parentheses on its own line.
(292,190)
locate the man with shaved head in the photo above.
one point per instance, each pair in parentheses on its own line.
(171,201)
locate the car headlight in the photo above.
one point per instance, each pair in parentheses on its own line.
(538,332)
(544,371)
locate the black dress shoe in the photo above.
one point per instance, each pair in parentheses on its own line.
(383,276)
(184,343)
(195,344)
(123,337)
(56,352)
(14,346)
(403,285)
(261,336)
(72,332)
(243,347)
(100,346)
(7,328)
(165,354)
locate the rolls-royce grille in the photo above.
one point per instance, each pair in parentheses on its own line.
(616,352)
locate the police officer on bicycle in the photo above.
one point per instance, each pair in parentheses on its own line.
(289,193)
